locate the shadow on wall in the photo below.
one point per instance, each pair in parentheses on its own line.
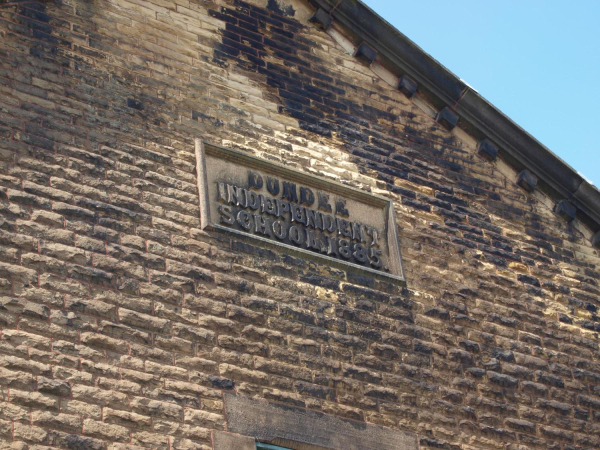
(270,42)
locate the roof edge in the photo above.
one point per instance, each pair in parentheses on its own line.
(443,88)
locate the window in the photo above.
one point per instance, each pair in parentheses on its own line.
(260,446)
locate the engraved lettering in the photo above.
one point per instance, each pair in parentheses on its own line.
(329,223)
(340,208)
(269,205)
(306,196)
(360,253)
(244,218)
(236,195)
(344,248)
(324,202)
(375,257)
(330,247)
(307,225)
(261,225)
(296,235)
(279,229)
(226,215)
(313,219)
(314,241)
(289,192)
(297,213)
(374,233)
(255,180)
(273,186)
(282,207)
(358,232)
(344,227)
(253,200)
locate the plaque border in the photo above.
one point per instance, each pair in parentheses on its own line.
(204,148)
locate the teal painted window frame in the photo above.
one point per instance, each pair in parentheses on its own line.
(260,446)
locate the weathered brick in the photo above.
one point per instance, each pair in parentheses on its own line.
(65,253)
(143,321)
(155,408)
(34,400)
(123,322)
(17,379)
(204,419)
(53,387)
(105,431)
(100,396)
(24,365)
(63,422)
(30,434)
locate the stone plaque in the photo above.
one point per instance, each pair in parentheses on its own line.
(297,212)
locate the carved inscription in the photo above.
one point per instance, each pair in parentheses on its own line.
(314,220)
(297,212)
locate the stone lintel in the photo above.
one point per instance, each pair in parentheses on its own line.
(231,441)
(273,422)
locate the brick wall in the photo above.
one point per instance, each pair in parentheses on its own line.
(123,324)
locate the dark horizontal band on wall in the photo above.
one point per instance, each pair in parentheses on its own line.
(478,116)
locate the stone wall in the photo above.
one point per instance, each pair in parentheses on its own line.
(124,325)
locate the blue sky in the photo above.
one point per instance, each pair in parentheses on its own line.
(537,61)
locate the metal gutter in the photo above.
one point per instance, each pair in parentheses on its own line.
(479,117)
